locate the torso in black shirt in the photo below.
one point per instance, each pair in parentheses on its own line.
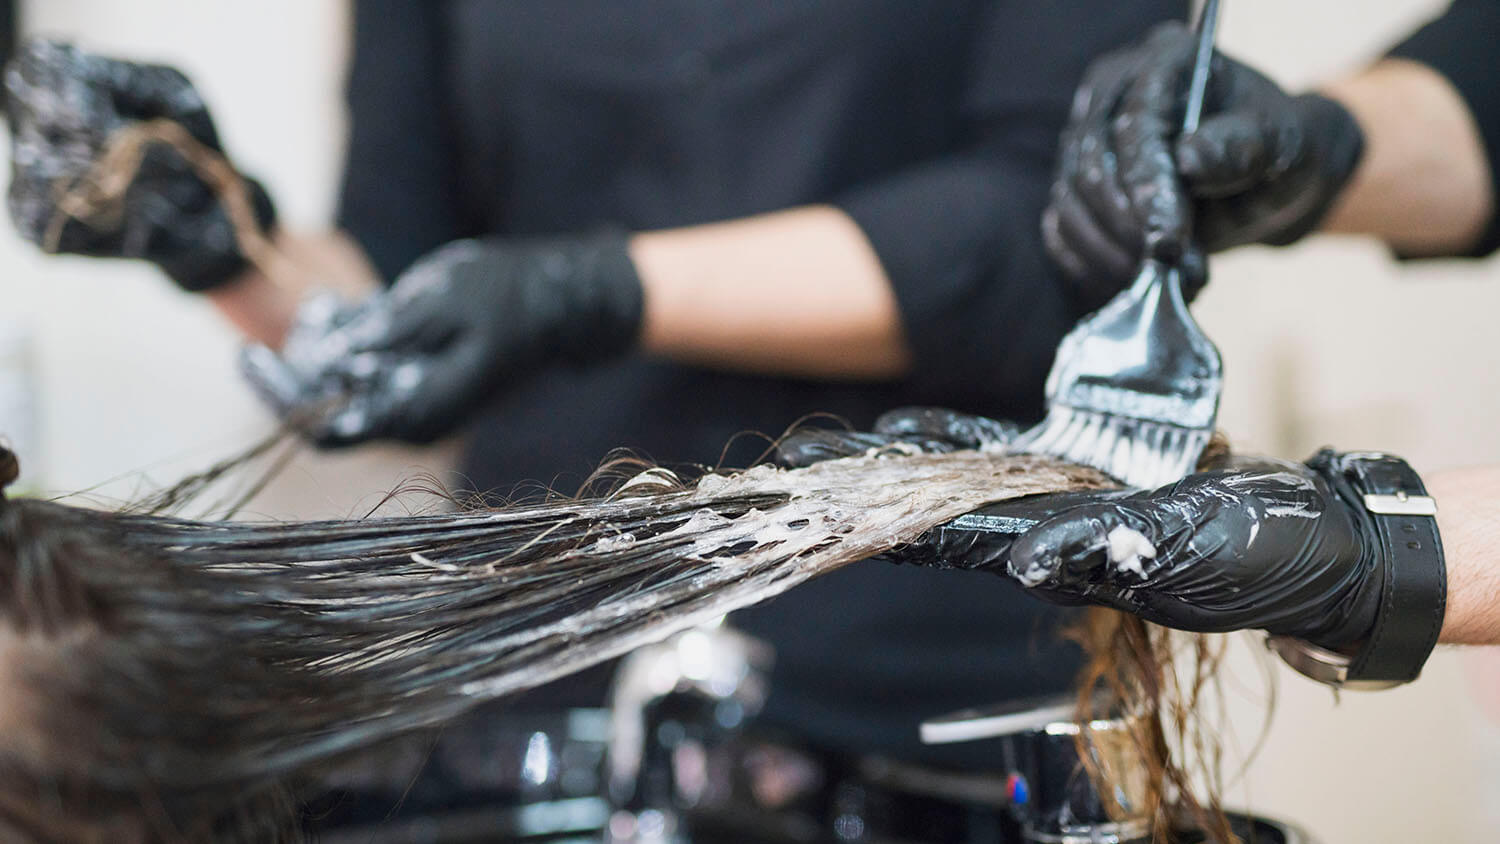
(931,122)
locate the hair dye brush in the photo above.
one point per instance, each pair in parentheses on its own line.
(1135,388)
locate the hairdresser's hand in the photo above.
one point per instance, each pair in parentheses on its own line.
(415,362)
(1263,166)
(1268,546)
(65,108)
(905,430)
(979,540)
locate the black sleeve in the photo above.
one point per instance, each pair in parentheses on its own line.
(960,236)
(399,198)
(1464,46)
(7,30)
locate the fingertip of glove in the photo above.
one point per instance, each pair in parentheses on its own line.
(1190,158)
(814,445)
(1063,550)
(1194,267)
(1166,243)
(268,375)
(1228,153)
(346,427)
(1035,557)
(255,358)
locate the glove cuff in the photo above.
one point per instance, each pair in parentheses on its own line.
(1335,146)
(604,321)
(198,271)
(1405,589)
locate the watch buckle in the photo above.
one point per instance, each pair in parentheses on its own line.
(1401,504)
(1325,666)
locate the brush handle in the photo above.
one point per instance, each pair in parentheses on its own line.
(1208,26)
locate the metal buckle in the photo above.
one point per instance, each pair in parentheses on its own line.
(1401,504)
(1327,667)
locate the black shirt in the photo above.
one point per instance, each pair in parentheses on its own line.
(932,123)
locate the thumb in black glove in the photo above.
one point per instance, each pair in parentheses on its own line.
(1263,166)
(65,107)
(414,363)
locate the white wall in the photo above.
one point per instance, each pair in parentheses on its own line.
(1333,343)
(1329,342)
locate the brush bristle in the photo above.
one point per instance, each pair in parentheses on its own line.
(1137,452)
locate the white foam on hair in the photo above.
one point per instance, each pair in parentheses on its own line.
(830,514)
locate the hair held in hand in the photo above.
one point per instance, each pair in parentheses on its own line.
(195,668)
(168,679)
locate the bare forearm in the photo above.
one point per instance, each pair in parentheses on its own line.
(1468,504)
(261,308)
(1424,184)
(1469,522)
(797,292)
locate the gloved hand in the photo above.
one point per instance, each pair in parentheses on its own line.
(413,363)
(1263,166)
(905,430)
(64,106)
(1265,545)
(978,540)
(1270,545)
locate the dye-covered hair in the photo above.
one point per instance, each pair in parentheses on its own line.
(164,679)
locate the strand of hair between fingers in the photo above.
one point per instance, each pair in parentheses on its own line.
(97,197)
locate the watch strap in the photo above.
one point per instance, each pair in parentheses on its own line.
(1410,553)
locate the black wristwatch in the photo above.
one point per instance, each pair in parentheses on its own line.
(1400,523)
(1399,520)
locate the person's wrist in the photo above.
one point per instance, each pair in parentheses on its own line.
(260,309)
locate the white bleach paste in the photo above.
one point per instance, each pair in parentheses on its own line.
(1129,549)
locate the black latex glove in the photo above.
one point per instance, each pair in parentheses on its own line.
(905,430)
(1265,545)
(978,540)
(1263,166)
(414,363)
(1270,546)
(64,106)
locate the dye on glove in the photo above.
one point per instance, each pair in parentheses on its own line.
(415,362)
(1266,544)
(1269,546)
(64,106)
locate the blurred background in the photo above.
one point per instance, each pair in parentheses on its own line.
(111,381)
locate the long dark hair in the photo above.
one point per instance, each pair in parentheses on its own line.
(164,678)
